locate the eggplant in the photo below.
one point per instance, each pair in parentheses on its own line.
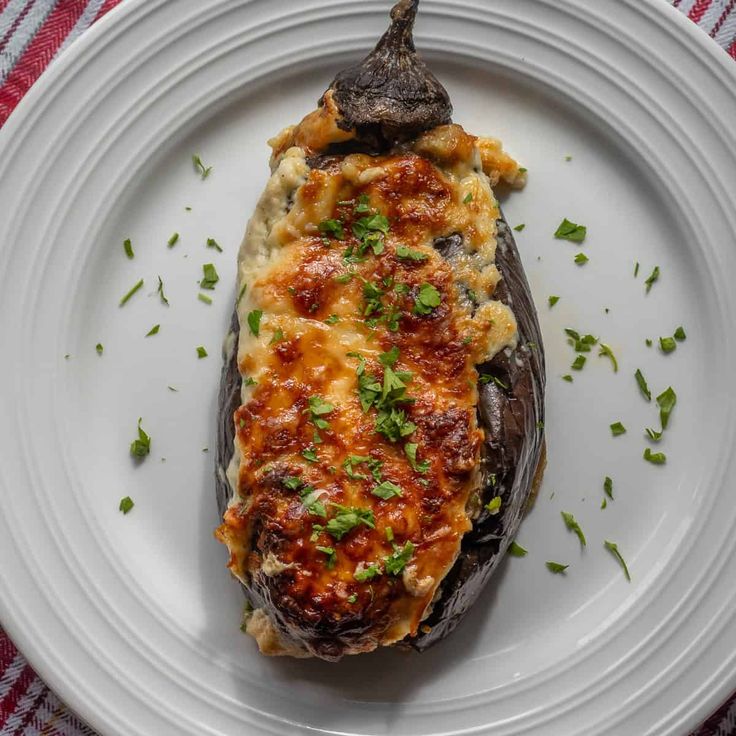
(436,470)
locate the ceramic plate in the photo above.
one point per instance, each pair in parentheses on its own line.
(623,114)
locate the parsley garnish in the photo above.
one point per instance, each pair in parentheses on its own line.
(345,520)
(367,573)
(617,428)
(128,247)
(652,278)
(389,359)
(667,344)
(141,446)
(153,331)
(656,458)
(653,435)
(556,567)
(204,298)
(349,464)
(172,241)
(567,377)
(394,425)
(201,352)
(636,269)
(578,363)
(310,500)
(552,300)
(278,336)
(581,259)
(212,243)
(310,454)
(396,562)
(648,342)
(254,321)
(127,297)
(493,506)
(126,504)
(332,228)
(573,526)
(666,402)
(571,231)
(516,550)
(606,350)
(608,487)
(641,381)
(386,490)
(613,549)
(468,198)
(210,276)
(412,255)
(318,408)
(410,450)
(99,348)
(680,334)
(333,319)
(160,292)
(352,598)
(520,227)
(202,170)
(241,294)
(427,299)
(331,555)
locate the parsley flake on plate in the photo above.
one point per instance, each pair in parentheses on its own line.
(516,550)
(427,299)
(141,446)
(128,248)
(126,298)
(613,549)
(200,168)
(556,567)
(617,429)
(573,526)
(126,504)
(642,383)
(568,230)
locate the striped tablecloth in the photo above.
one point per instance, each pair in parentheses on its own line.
(32,34)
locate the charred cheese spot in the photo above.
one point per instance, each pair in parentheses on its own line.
(287,458)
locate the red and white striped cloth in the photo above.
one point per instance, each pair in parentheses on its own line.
(32,34)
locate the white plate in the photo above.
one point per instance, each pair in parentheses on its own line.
(133,619)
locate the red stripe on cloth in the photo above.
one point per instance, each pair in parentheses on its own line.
(699,9)
(13,28)
(732,49)
(7,706)
(724,16)
(7,652)
(39,53)
(33,707)
(107,6)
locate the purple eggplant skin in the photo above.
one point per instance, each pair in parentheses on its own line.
(389,98)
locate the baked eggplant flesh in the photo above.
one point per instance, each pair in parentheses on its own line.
(382,399)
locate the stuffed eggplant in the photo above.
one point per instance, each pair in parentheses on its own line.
(382,399)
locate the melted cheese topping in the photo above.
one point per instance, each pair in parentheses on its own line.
(312,330)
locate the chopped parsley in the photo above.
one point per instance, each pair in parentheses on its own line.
(573,526)
(571,231)
(204,298)
(387,490)
(278,336)
(332,228)
(581,259)
(608,487)
(397,561)
(666,402)
(410,450)
(160,292)
(389,358)
(567,377)
(128,248)
(345,520)
(617,429)
(331,555)
(556,567)
(653,435)
(606,351)
(201,169)
(468,198)
(153,331)
(680,334)
(333,319)
(655,458)
(201,352)
(173,240)
(648,342)
(367,573)
(241,294)
(99,348)
(493,506)
(578,363)
(352,598)
(427,299)
(127,296)
(654,276)
(210,276)
(642,383)
(580,343)
(318,408)
(254,321)
(310,454)
(141,446)
(552,300)
(411,255)
(667,344)
(212,243)
(520,227)
(126,504)
(613,549)
(636,269)
(516,550)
